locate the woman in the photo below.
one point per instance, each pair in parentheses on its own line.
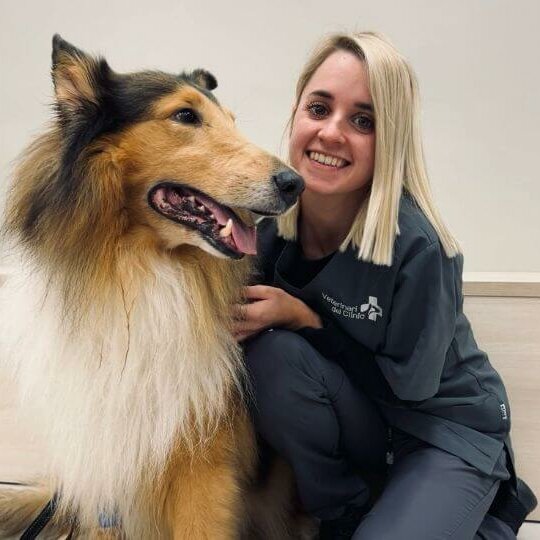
(358,347)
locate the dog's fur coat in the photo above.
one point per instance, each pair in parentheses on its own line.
(116,325)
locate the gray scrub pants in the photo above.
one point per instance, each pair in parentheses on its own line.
(309,411)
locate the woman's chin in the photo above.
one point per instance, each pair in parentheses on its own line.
(328,190)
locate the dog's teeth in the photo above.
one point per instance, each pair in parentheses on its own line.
(201,208)
(191,199)
(227,230)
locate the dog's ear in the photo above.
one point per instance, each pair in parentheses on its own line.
(77,77)
(204,79)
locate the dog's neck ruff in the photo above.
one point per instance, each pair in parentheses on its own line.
(114,397)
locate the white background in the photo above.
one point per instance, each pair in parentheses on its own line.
(478,63)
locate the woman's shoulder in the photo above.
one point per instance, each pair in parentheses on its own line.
(416,233)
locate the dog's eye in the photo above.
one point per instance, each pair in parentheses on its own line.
(187,116)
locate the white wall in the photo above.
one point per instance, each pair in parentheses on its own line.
(477,61)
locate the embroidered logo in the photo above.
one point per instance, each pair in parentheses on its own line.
(372,308)
(370,311)
(504,414)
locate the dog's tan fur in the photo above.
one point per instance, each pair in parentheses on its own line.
(118,332)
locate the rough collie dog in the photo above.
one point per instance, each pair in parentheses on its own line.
(116,325)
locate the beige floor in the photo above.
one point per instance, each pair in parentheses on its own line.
(530,531)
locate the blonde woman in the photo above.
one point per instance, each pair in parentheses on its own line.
(361,358)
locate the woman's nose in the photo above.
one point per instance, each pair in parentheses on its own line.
(331,131)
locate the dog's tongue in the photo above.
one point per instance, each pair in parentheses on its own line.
(244,237)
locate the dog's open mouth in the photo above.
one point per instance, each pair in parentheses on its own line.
(218,224)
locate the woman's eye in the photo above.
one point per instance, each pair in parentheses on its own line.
(187,116)
(318,110)
(364,122)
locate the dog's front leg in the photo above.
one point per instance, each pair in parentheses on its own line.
(205,500)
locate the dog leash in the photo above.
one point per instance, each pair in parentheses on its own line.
(41,520)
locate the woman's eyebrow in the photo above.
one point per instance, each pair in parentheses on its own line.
(360,104)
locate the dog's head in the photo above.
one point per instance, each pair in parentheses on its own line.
(149,155)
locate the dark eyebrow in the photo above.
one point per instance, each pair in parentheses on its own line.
(328,95)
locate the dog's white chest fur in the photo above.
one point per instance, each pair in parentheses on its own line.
(116,394)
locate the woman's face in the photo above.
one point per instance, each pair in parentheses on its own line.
(332,142)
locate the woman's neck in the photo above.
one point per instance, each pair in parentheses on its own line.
(325,221)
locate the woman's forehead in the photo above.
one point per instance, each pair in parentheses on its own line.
(342,75)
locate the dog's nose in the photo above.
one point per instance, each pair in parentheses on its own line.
(289,185)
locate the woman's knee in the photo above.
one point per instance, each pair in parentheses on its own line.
(285,372)
(274,356)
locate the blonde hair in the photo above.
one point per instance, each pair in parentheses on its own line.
(399,158)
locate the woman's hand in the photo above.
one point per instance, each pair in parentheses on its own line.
(271,307)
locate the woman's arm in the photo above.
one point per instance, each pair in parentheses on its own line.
(421,324)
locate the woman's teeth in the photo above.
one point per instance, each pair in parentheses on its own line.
(327,160)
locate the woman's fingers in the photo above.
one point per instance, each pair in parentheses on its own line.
(249,318)
(258,292)
(245,326)
(239,312)
(248,312)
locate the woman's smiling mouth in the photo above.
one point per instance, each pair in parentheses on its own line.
(327,160)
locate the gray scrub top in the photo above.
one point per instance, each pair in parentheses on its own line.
(401,333)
